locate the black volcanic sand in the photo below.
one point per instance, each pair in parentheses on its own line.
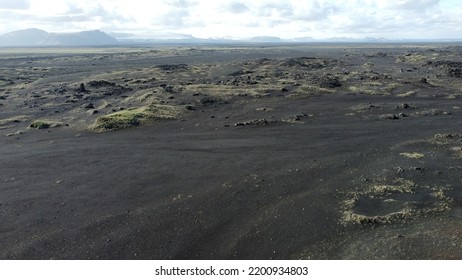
(311,152)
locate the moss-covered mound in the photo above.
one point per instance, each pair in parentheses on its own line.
(136,116)
(44,124)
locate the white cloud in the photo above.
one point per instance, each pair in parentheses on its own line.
(236,7)
(14,5)
(416,5)
(239,18)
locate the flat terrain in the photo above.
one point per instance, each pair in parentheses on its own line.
(237,152)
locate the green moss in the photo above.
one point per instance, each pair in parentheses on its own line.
(136,116)
(40,125)
(412,155)
(44,124)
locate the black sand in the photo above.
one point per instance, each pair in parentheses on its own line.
(349,153)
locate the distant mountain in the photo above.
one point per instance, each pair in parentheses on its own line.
(302,40)
(84,38)
(36,37)
(175,41)
(121,35)
(265,39)
(26,37)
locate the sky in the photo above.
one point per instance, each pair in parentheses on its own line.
(238,19)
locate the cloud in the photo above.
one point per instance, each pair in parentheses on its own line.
(392,18)
(240,18)
(416,5)
(178,13)
(276,9)
(329,18)
(68,16)
(314,10)
(237,8)
(14,5)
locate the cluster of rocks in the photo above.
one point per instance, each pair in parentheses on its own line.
(452,68)
(329,81)
(172,67)
(448,136)
(307,63)
(60,89)
(394,116)
(433,112)
(108,88)
(167,88)
(256,122)
(207,101)
(101,83)
(406,106)
(296,118)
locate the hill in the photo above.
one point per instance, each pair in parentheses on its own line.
(36,37)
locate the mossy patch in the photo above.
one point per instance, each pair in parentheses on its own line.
(16,119)
(136,116)
(417,58)
(412,155)
(407,94)
(449,143)
(44,124)
(398,201)
(355,89)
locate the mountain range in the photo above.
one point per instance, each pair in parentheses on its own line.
(36,37)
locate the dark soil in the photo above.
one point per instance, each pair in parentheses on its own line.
(315,171)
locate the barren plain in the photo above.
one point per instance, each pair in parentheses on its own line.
(231,152)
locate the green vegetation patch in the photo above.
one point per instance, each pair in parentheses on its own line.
(44,124)
(136,117)
(412,155)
